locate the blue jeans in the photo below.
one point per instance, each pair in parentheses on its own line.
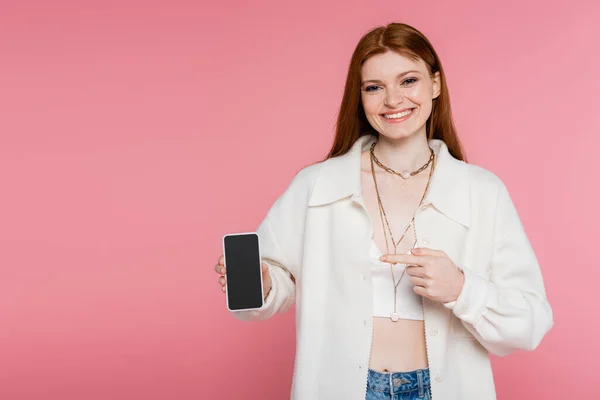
(399,385)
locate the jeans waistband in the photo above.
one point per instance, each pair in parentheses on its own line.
(399,382)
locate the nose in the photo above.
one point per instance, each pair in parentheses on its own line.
(393,97)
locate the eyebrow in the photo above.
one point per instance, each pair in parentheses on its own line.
(397,77)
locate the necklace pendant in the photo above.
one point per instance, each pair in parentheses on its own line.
(394,317)
(405,174)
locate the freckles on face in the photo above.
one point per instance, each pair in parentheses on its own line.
(396,93)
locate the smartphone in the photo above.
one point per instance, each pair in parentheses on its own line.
(244,287)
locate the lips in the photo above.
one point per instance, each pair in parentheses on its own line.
(397,111)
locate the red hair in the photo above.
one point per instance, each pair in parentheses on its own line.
(409,42)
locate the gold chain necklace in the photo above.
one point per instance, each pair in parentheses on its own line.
(403,174)
(394,317)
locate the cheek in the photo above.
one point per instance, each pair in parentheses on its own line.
(370,104)
(421,97)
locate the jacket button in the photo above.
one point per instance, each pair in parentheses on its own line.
(438,378)
(425,241)
(433,331)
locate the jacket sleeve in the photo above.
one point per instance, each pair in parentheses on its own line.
(281,243)
(509,311)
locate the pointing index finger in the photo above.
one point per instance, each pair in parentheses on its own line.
(402,259)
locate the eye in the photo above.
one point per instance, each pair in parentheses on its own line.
(409,81)
(371,88)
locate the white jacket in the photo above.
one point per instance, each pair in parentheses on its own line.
(318,231)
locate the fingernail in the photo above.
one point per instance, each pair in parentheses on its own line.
(383,258)
(415,250)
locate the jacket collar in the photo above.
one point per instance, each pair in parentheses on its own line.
(448,190)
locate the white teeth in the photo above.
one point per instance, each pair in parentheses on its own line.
(399,115)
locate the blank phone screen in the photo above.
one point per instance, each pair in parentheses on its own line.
(243,271)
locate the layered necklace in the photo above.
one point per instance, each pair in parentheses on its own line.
(384,221)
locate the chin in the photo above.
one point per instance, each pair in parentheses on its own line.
(398,134)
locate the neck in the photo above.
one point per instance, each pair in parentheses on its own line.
(406,154)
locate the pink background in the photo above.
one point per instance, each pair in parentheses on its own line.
(130,132)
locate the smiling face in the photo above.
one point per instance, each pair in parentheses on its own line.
(397,94)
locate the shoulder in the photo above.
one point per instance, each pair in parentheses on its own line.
(287,214)
(305,179)
(489,189)
(297,192)
(483,179)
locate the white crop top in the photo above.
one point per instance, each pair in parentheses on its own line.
(409,305)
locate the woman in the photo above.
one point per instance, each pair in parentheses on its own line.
(407,265)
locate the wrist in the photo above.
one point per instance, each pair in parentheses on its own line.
(459,287)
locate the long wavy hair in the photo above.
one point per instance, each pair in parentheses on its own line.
(407,41)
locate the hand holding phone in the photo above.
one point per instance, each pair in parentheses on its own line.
(245,280)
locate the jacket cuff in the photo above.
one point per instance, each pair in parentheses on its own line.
(268,301)
(470,304)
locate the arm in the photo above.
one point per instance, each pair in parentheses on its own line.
(509,311)
(281,236)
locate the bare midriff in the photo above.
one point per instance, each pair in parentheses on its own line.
(398,346)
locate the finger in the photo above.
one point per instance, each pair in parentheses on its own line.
(417,281)
(424,251)
(221,260)
(420,290)
(220,269)
(408,259)
(417,271)
(223,288)
(222,280)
